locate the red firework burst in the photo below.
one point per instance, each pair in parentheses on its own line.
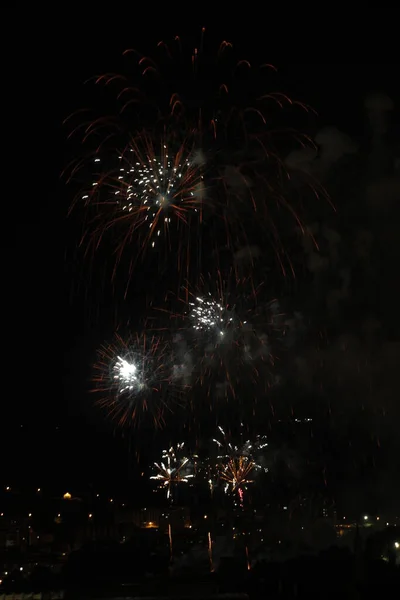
(207,115)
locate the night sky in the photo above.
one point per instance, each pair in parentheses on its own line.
(50,431)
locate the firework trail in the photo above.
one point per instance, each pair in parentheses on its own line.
(210,551)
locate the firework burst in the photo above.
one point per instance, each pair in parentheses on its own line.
(253,450)
(227,337)
(173,469)
(237,465)
(149,198)
(208,316)
(136,378)
(236,474)
(233,335)
(209,87)
(206,116)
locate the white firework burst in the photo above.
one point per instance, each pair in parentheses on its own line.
(128,376)
(209,315)
(173,469)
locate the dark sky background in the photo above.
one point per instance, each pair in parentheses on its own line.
(49,430)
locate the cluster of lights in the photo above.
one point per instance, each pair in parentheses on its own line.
(149,185)
(66,496)
(207,314)
(248,448)
(153,185)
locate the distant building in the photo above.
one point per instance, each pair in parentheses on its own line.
(154,518)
